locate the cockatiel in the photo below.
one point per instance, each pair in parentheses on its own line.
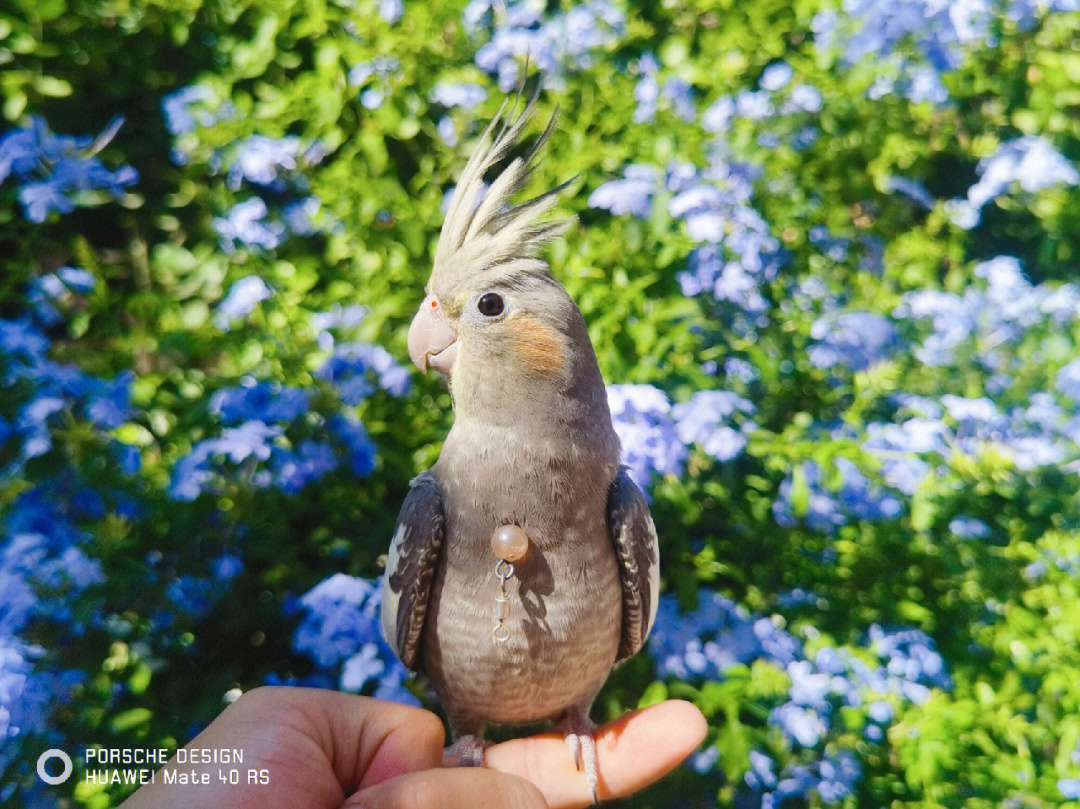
(532,448)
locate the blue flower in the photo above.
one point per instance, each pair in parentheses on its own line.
(363,667)
(642,420)
(563,42)
(241,300)
(458,94)
(24,697)
(21,339)
(300,215)
(227,567)
(354,367)
(55,169)
(191,594)
(245,224)
(447,131)
(341,626)
(825,509)
(911,189)
(630,195)
(309,462)
(801,725)
(718,117)
(261,401)
(804,98)
(391,10)
(776,76)
(760,775)
(1029,161)
(701,420)
(261,160)
(194,471)
(855,340)
(372,98)
(1068,381)
(1069,788)
(359,447)
(680,95)
(838,775)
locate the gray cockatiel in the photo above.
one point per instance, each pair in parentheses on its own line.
(532,446)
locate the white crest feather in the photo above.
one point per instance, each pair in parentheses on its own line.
(482,229)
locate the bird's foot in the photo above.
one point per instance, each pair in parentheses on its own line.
(467,751)
(578,730)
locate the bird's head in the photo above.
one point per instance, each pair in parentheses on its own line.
(494,320)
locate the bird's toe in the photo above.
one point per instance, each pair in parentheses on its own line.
(467,751)
(582,747)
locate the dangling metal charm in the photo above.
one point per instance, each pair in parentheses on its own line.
(504,571)
(509,543)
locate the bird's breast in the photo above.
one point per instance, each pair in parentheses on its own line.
(564,618)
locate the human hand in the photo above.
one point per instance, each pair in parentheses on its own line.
(328,750)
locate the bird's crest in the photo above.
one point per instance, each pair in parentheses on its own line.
(483,232)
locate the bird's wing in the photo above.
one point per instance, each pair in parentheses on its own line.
(638,552)
(410,568)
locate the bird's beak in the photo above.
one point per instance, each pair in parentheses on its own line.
(432,338)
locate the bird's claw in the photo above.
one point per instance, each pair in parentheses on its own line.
(582,749)
(467,751)
(578,730)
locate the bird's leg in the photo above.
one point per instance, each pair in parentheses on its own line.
(578,730)
(468,747)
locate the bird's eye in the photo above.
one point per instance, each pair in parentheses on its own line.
(490,304)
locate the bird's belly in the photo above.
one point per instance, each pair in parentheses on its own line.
(562,635)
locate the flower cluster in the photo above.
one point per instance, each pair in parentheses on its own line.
(259,418)
(340,632)
(656,435)
(59,172)
(718,637)
(555,44)
(1030,163)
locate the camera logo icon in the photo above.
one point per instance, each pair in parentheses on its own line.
(48,756)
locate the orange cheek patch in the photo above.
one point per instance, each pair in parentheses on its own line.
(538,346)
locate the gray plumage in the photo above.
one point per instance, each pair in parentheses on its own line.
(533,445)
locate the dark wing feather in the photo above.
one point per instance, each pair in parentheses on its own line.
(638,552)
(410,568)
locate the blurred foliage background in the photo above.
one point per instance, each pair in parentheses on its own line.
(825,254)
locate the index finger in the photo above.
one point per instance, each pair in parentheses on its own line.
(632,752)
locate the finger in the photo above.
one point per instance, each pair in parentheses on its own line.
(458,788)
(317,745)
(632,752)
(365,740)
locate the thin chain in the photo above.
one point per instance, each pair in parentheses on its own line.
(504,571)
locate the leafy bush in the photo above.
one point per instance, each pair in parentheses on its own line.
(825,256)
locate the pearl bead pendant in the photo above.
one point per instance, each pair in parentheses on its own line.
(509,543)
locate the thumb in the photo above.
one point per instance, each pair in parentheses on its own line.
(365,740)
(318,747)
